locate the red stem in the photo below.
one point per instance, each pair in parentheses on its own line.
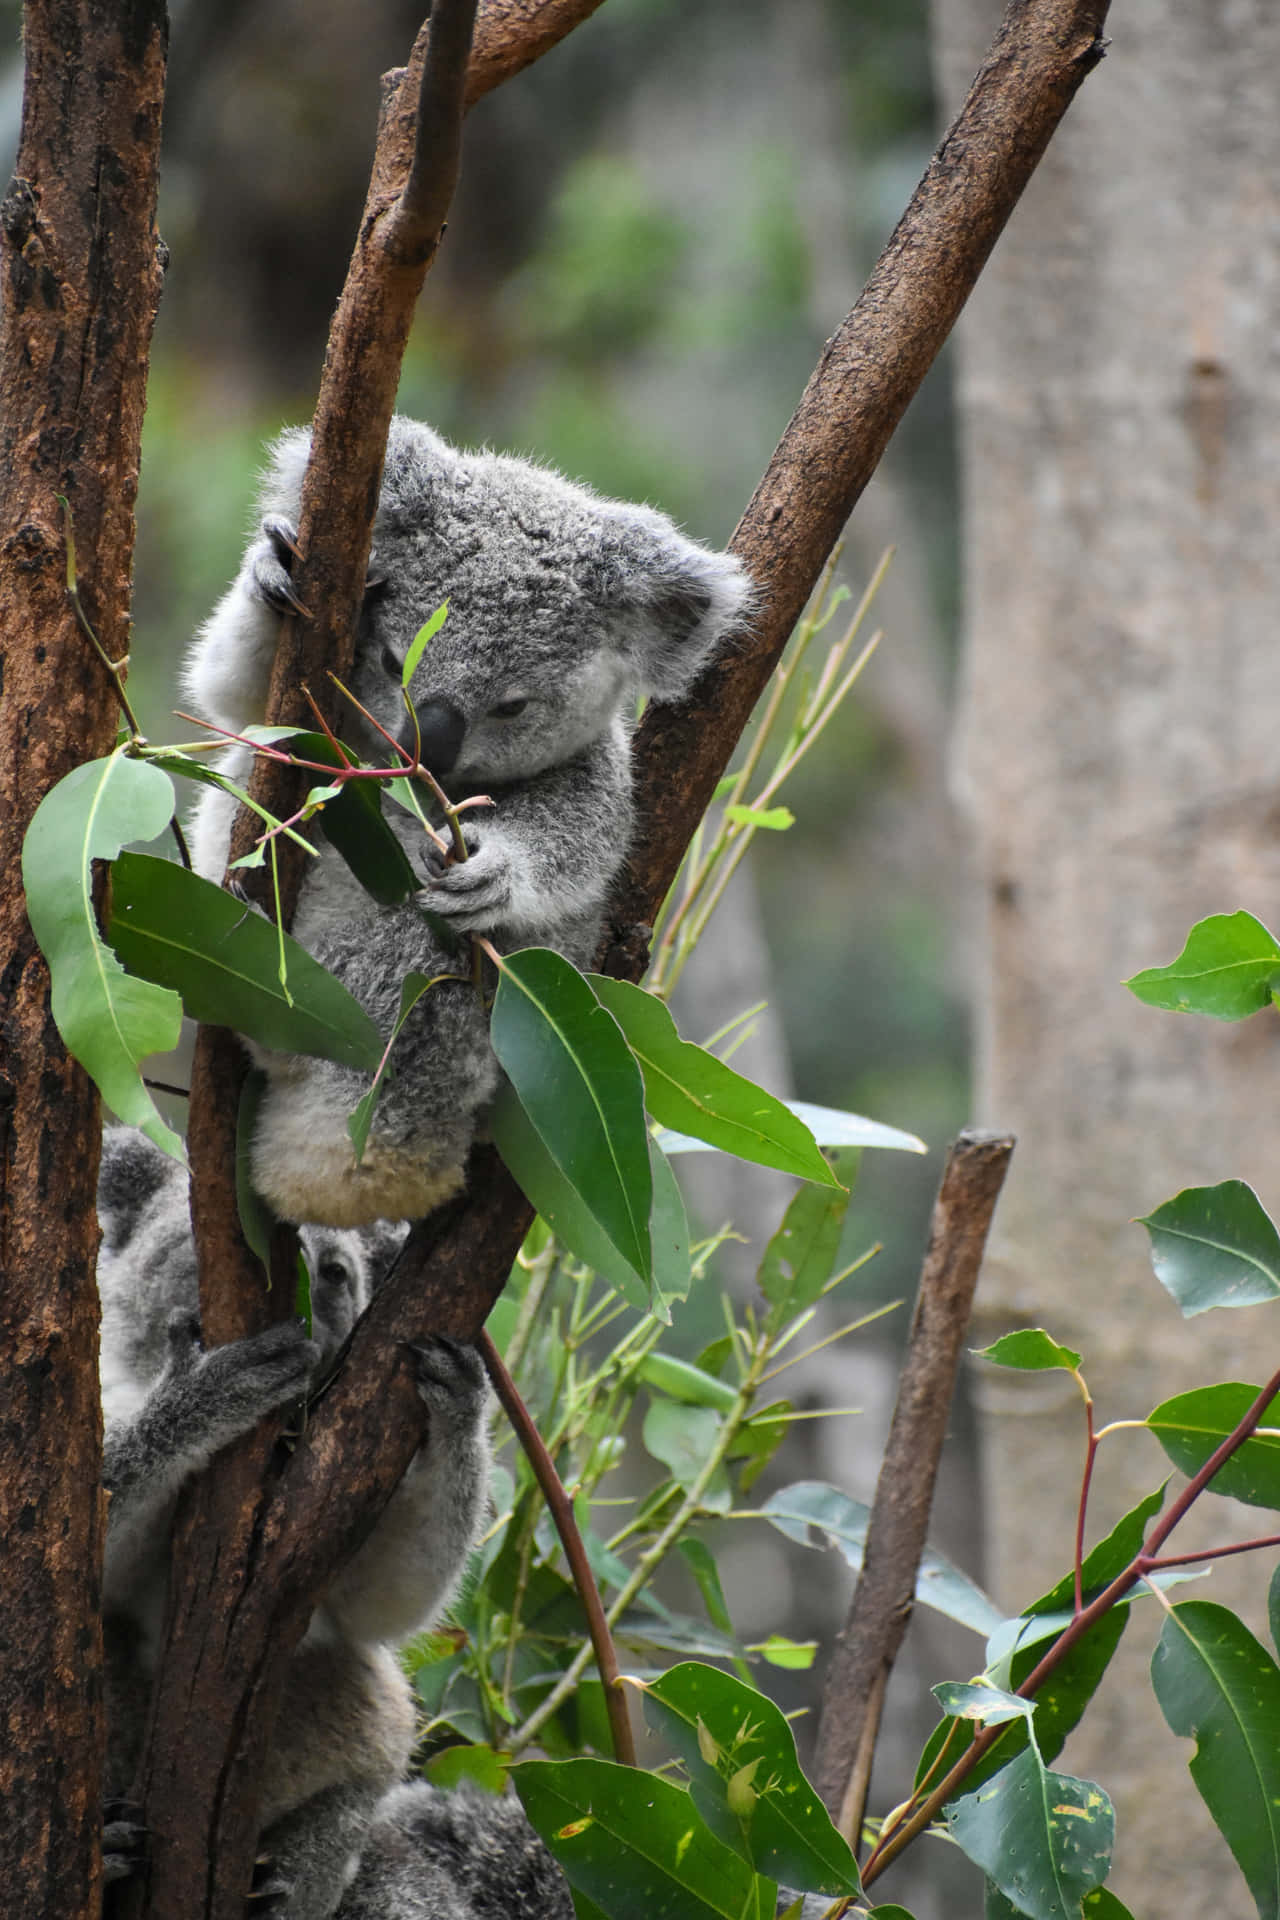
(1090,1455)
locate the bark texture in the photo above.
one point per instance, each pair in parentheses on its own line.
(80,286)
(1120,397)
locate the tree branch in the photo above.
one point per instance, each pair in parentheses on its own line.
(884,1596)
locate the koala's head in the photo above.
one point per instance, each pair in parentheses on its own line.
(563,608)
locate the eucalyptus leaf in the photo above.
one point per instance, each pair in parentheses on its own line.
(722,1727)
(1215,1247)
(174,928)
(829,1126)
(939,1584)
(1044,1838)
(632,1842)
(690,1090)
(1226,970)
(683,1437)
(109,1019)
(581,1088)
(801,1256)
(1191,1426)
(1032,1350)
(1217,1685)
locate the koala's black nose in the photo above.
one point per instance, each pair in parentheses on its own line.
(441,728)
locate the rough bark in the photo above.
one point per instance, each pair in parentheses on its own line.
(80,286)
(1120,414)
(261,1579)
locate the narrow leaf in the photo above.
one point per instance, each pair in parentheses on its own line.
(1215,1247)
(110,1021)
(688,1089)
(418,645)
(1191,1425)
(799,1259)
(1226,970)
(1044,1838)
(581,1088)
(172,927)
(353,824)
(1030,1349)
(777,819)
(979,1701)
(631,1841)
(1219,1686)
(681,1380)
(782,1827)
(939,1584)
(412,988)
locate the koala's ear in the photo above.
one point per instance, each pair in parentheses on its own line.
(680,602)
(131,1173)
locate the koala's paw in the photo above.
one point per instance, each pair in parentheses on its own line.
(475,894)
(249,1378)
(271,561)
(124,1841)
(451,1380)
(269,1890)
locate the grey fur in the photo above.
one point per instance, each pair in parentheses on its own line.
(346,1726)
(462,1855)
(564,608)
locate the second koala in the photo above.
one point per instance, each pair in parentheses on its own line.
(564,609)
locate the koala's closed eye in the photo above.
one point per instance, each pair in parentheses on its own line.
(508,709)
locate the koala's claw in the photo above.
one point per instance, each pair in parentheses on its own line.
(450,1375)
(124,1840)
(273,559)
(268,1890)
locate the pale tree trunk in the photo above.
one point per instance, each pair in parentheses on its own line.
(1120,423)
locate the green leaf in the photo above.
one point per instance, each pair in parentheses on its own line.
(560,1205)
(1273,1607)
(109,1020)
(359,1121)
(729,1735)
(580,1086)
(688,1089)
(632,1842)
(828,1125)
(778,819)
(682,1438)
(1102,1904)
(1219,1686)
(418,645)
(799,1259)
(939,1584)
(256,1217)
(1190,1426)
(700,1561)
(189,767)
(353,824)
(172,927)
(793,1655)
(1226,970)
(1032,1350)
(681,1380)
(1044,1838)
(477,1766)
(1215,1247)
(980,1701)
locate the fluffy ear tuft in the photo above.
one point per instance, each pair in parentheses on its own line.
(680,601)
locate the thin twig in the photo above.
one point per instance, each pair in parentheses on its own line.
(416,222)
(882,1601)
(560,1507)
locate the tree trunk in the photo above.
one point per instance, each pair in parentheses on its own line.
(1120,421)
(81,281)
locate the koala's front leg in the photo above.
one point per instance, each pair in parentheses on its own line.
(406,1572)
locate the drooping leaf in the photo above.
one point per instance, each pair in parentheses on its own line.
(632,1842)
(722,1727)
(1032,1350)
(799,1259)
(1226,970)
(688,1089)
(939,1584)
(172,927)
(109,1019)
(1044,1838)
(1190,1426)
(1215,1247)
(829,1126)
(580,1086)
(359,1121)
(575,1226)
(1218,1685)
(256,1218)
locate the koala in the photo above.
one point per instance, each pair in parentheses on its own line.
(564,609)
(346,1725)
(459,1855)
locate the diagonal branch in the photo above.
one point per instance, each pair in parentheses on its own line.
(883,1598)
